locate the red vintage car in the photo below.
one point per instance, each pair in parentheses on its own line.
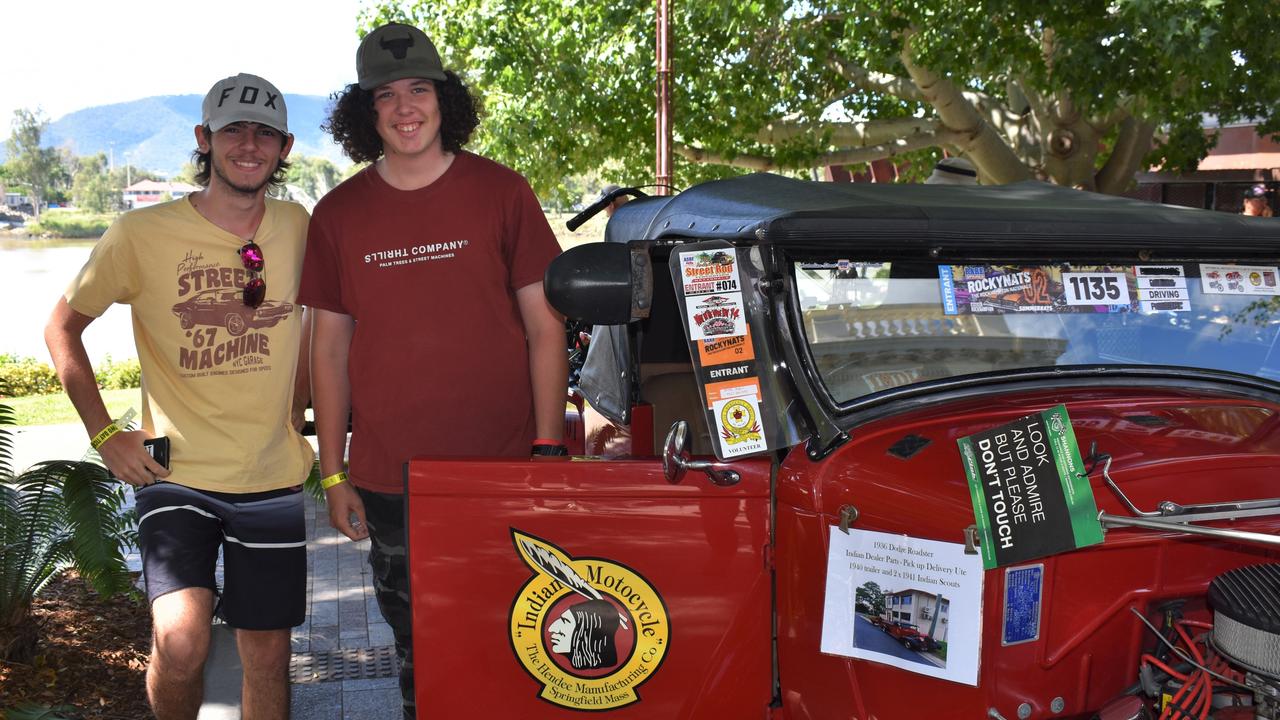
(1019,417)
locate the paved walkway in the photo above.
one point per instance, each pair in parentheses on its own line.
(343,663)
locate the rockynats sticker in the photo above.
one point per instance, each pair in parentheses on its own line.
(589,630)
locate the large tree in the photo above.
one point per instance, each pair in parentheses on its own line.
(92,188)
(36,169)
(1081,93)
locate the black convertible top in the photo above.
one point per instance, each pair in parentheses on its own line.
(958,219)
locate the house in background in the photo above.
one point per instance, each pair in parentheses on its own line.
(1242,158)
(145,193)
(927,611)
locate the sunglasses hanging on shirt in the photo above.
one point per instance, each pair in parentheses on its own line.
(255,290)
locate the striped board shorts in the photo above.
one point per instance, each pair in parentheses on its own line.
(263,539)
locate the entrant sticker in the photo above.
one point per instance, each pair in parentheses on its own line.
(1239,280)
(1023,591)
(1162,288)
(1030,494)
(709,271)
(717,316)
(900,600)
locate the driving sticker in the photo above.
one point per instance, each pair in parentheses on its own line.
(589,630)
(1239,280)
(712,271)
(1031,496)
(716,316)
(1162,288)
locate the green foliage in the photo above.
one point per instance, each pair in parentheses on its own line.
(870,598)
(23,376)
(92,188)
(119,375)
(32,166)
(26,376)
(57,514)
(311,178)
(70,224)
(790,85)
(28,711)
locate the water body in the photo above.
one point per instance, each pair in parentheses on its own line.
(32,278)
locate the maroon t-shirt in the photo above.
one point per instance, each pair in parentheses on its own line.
(438,363)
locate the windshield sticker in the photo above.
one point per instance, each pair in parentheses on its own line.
(718,351)
(590,631)
(1239,280)
(885,379)
(908,602)
(1162,288)
(1000,289)
(712,271)
(1031,497)
(1095,288)
(716,316)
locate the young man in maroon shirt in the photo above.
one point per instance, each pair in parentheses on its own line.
(424,272)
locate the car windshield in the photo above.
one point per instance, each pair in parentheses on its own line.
(874,326)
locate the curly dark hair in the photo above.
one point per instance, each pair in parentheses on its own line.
(354,123)
(204,166)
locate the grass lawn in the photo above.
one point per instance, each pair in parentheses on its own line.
(57,409)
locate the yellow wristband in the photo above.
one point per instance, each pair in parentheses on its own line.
(104,435)
(335,479)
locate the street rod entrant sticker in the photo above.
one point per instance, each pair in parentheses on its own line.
(589,630)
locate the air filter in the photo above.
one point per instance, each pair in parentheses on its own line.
(1246,617)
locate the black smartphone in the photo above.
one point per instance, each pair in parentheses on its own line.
(158,448)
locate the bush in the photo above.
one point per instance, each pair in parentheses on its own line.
(23,376)
(121,375)
(20,377)
(70,225)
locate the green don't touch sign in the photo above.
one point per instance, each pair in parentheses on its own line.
(1030,494)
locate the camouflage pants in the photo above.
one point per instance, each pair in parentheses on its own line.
(387,557)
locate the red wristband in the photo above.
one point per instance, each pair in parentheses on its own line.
(544,441)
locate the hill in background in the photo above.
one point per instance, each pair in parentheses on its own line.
(156,132)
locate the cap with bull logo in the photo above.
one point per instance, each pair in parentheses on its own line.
(394,52)
(244,98)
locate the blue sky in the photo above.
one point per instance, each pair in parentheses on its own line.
(65,55)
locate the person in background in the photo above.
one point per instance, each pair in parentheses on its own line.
(1256,202)
(212,281)
(953,171)
(424,273)
(617,202)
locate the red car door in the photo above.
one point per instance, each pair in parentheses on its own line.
(557,585)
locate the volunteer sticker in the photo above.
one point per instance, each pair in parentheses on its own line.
(591,631)
(1031,497)
(710,271)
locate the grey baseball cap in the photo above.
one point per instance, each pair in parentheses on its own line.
(396,51)
(244,98)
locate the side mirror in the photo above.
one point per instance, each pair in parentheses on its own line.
(601,283)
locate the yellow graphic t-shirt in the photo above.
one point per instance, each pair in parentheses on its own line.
(217,375)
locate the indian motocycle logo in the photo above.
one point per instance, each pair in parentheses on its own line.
(590,630)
